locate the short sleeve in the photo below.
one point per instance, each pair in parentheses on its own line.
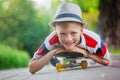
(102,50)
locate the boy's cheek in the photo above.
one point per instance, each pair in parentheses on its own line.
(61,39)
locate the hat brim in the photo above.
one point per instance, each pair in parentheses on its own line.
(52,24)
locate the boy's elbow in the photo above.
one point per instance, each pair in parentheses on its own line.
(107,62)
(31,69)
(32,72)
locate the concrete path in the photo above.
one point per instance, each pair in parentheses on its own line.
(93,72)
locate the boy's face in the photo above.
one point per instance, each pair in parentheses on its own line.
(69,34)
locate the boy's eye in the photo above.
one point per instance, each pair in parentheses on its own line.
(62,33)
(73,33)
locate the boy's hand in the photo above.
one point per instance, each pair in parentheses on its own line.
(81,50)
(58,50)
(75,49)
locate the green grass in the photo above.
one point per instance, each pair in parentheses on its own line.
(12,58)
(115,51)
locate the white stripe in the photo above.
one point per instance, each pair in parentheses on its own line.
(107,55)
(36,56)
(93,35)
(48,46)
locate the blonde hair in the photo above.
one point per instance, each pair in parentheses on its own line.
(65,23)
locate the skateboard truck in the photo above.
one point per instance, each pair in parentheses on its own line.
(71,56)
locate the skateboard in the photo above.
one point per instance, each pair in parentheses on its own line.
(72,58)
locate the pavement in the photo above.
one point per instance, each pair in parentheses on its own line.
(93,72)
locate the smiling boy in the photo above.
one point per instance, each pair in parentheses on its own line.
(69,34)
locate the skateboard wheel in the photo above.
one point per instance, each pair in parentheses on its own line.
(59,67)
(84,64)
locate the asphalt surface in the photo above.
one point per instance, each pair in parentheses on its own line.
(93,72)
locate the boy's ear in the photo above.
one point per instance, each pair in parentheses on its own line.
(81,30)
(54,28)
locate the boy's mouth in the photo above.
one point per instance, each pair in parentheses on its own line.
(69,45)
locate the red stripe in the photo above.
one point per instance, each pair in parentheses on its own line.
(40,52)
(54,39)
(90,41)
(101,54)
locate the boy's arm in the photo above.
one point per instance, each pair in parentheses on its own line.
(98,59)
(101,55)
(94,57)
(37,64)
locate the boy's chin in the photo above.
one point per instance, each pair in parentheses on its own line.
(69,48)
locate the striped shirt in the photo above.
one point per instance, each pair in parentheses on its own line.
(90,41)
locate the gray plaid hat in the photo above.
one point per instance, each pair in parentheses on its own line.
(68,12)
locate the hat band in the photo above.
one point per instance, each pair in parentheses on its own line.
(68,15)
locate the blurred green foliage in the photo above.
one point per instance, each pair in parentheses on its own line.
(12,58)
(21,26)
(87,5)
(92,20)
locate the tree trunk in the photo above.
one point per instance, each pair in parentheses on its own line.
(109,22)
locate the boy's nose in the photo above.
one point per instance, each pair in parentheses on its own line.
(68,38)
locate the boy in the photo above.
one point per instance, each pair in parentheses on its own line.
(69,34)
